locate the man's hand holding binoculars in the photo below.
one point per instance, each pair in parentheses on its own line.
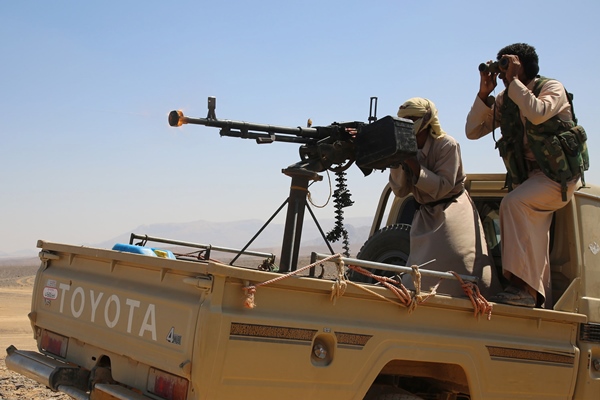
(508,67)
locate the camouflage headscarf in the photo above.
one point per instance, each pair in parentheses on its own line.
(425,111)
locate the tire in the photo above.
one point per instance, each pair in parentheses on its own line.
(389,245)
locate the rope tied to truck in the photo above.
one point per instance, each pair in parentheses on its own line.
(407,298)
(250,290)
(339,285)
(480,305)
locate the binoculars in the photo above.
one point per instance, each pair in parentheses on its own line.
(494,67)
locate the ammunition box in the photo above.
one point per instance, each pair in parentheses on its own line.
(385,142)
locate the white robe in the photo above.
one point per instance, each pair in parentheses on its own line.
(450,232)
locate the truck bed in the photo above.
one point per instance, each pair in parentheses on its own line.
(131,318)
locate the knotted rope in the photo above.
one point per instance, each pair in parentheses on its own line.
(480,304)
(339,286)
(407,299)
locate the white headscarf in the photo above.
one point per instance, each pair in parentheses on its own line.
(425,111)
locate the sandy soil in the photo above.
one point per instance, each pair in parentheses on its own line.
(16,284)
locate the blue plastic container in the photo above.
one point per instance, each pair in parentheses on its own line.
(147,251)
(130,248)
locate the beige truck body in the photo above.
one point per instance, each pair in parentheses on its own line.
(113,324)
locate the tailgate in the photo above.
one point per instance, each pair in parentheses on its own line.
(129,310)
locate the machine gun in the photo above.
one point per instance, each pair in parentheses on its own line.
(378,144)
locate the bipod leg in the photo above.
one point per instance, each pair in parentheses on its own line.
(259,232)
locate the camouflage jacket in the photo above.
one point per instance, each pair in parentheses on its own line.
(558,146)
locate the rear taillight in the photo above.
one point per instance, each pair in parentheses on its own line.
(54,343)
(167,386)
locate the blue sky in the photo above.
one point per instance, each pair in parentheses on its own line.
(86,87)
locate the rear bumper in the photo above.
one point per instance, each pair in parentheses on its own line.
(63,377)
(49,372)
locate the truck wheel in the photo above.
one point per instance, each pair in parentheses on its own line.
(389,245)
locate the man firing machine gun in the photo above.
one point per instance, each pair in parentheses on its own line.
(377,144)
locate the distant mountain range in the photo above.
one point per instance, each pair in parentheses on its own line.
(237,234)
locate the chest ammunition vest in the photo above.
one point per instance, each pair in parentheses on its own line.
(559,147)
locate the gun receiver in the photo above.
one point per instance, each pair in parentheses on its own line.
(378,144)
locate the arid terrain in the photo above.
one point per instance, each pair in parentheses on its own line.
(16,283)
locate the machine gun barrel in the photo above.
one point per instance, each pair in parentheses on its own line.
(379,144)
(263,133)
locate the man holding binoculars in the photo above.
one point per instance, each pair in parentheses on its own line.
(530,109)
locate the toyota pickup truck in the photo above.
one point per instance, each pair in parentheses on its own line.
(159,318)
(144,322)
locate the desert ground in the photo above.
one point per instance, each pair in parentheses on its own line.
(16,284)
